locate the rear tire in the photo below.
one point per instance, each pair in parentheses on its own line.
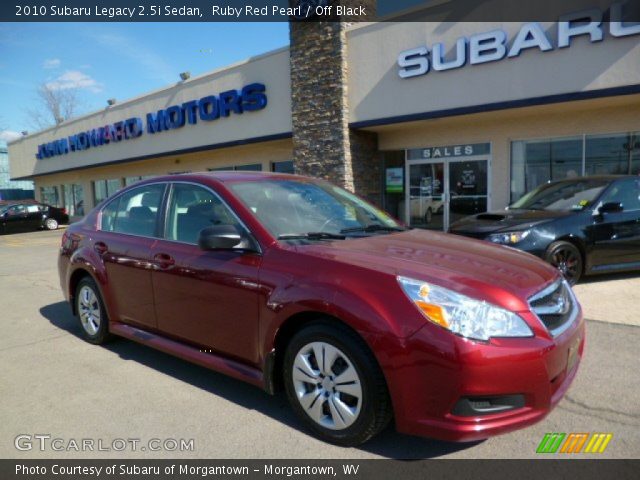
(335,385)
(91,312)
(567,258)
(51,224)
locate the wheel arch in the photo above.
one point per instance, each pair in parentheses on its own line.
(274,361)
(76,276)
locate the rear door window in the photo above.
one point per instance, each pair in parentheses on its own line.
(136,212)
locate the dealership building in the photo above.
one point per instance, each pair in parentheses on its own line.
(431,121)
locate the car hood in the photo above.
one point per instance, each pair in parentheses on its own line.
(506,220)
(472,267)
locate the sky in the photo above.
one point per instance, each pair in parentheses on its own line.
(115,60)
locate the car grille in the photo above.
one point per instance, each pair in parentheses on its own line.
(555,306)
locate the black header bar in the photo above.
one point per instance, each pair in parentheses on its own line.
(306,10)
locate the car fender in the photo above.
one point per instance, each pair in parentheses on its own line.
(88,260)
(371,318)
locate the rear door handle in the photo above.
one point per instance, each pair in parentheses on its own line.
(164,260)
(100,247)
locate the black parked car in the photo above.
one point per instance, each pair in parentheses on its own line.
(21,217)
(582,226)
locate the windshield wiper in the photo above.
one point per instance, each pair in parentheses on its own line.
(373,228)
(311,236)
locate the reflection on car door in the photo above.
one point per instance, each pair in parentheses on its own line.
(129,228)
(206,298)
(34,216)
(616,235)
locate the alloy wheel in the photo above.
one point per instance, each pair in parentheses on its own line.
(51,224)
(568,262)
(327,385)
(89,310)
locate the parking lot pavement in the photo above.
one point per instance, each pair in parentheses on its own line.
(55,383)
(611,298)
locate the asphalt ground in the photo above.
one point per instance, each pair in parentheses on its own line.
(54,383)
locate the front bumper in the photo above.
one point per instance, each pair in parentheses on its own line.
(437,369)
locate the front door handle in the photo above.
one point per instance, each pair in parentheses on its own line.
(100,247)
(164,260)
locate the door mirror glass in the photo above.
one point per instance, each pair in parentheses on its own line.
(611,207)
(220,237)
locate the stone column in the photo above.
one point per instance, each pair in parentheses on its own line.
(323,144)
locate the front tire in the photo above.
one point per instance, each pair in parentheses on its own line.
(51,224)
(566,257)
(428,217)
(91,312)
(335,385)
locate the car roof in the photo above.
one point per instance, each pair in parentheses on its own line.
(233,176)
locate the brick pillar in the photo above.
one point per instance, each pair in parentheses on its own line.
(323,144)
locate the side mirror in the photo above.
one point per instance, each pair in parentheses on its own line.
(219,237)
(610,207)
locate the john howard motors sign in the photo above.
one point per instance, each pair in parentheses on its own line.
(207,109)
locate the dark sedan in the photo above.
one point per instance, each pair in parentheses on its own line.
(581,226)
(24,217)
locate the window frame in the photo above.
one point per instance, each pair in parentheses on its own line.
(163,211)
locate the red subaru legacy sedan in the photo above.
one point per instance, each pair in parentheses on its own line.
(286,281)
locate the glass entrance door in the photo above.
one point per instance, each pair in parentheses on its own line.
(426,196)
(467,189)
(440,193)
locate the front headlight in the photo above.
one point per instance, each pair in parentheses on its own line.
(463,315)
(508,238)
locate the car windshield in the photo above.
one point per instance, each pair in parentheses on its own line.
(560,196)
(293,209)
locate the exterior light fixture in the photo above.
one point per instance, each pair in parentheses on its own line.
(185,76)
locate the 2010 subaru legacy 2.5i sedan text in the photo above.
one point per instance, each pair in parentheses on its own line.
(282,280)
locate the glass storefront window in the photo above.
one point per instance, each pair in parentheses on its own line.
(131,180)
(283,167)
(252,167)
(49,195)
(393,199)
(74,199)
(617,154)
(534,162)
(105,188)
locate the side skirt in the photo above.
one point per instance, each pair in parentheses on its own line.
(208,360)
